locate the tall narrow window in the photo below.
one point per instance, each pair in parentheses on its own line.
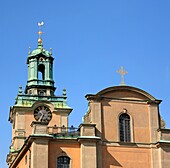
(124,128)
(63,162)
(41,72)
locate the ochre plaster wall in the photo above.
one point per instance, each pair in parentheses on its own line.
(56,120)
(59,148)
(25,161)
(165,156)
(116,157)
(138,113)
(29,118)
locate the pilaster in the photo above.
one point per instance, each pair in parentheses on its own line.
(154,135)
(88,142)
(39,153)
(154,125)
(96,116)
(39,150)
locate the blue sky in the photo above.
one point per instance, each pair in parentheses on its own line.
(91,39)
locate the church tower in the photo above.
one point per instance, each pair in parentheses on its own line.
(37,105)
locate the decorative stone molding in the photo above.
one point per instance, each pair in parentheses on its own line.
(87,129)
(39,127)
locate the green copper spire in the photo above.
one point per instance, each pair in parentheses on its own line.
(40,83)
(40,69)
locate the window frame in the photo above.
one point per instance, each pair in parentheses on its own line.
(64,165)
(131,127)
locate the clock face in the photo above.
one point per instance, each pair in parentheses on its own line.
(43,114)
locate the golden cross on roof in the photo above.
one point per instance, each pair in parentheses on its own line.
(122,72)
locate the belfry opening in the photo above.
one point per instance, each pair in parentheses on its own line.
(41,72)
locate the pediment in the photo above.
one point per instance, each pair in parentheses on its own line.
(125,92)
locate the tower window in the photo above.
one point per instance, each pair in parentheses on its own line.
(41,92)
(41,72)
(124,128)
(31,92)
(63,162)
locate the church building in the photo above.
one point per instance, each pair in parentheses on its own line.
(121,129)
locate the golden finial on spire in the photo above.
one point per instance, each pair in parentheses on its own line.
(40,32)
(122,72)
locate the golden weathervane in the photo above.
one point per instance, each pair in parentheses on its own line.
(40,24)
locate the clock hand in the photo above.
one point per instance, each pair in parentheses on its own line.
(41,117)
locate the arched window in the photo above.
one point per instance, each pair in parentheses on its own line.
(63,162)
(41,72)
(124,128)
